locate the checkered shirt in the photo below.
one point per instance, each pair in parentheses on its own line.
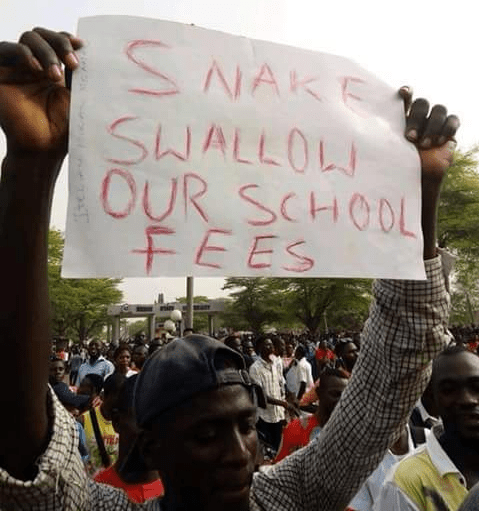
(405,330)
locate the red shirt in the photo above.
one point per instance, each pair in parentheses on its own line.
(297,434)
(138,493)
(321,353)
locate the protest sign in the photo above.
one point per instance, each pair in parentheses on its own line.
(194,152)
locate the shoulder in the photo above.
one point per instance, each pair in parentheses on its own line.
(411,473)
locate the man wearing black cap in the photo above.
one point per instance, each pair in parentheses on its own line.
(193,397)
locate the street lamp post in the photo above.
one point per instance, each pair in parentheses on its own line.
(176,317)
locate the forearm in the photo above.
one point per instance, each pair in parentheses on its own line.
(430,199)
(406,329)
(26,190)
(278,402)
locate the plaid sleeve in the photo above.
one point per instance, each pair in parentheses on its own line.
(61,482)
(406,329)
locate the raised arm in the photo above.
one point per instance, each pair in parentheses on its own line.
(407,327)
(34,105)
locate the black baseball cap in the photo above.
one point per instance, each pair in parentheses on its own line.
(175,373)
(183,368)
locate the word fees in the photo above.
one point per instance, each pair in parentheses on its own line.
(194,152)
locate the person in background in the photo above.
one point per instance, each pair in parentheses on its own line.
(101,437)
(138,357)
(96,363)
(139,483)
(299,376)
(154,345)
(122,359)
(265,373)
(300,431)
(75,362)
(288,357)
(347,354)
(447,465)
(324,356)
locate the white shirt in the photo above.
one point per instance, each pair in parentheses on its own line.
(371,489)
(299,371)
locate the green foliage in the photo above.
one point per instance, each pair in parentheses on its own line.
(136,327)
(79,306)
(303,303)
(458,231)
(337,303)
(255,303)
(458,226)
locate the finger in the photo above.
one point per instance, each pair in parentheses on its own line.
(416,119)
(44,53)
(449,129)
(63,43)
(433,127)
(13,54)
(405,93)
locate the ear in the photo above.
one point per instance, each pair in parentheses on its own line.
(150,449)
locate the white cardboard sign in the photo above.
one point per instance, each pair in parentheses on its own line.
(194,152)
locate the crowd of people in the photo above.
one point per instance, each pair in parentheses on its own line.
(385,420)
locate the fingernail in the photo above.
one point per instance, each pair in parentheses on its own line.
(55,72)
(452,144)
(411,135)
(71,59)
(426,143)
(35,64)
(441,140)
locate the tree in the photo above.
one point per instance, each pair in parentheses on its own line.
(346,302)
(458,226)
(79,306)
(289,302)
(458,232)
(254,303)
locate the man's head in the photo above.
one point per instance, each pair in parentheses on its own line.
(289,347)
(455,388)
(348,352)
(140,354)
(299,352)
(264,348)
(94,350)
(194,403)
(332,383)
(248,348)
(57,371)
(155,344)
(91,385)
(279,346)
(234,342)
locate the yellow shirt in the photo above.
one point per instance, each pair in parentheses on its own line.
(428,470)
(110,439)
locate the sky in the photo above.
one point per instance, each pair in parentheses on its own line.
(429,45)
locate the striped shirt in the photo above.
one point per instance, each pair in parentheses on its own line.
(270,377)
